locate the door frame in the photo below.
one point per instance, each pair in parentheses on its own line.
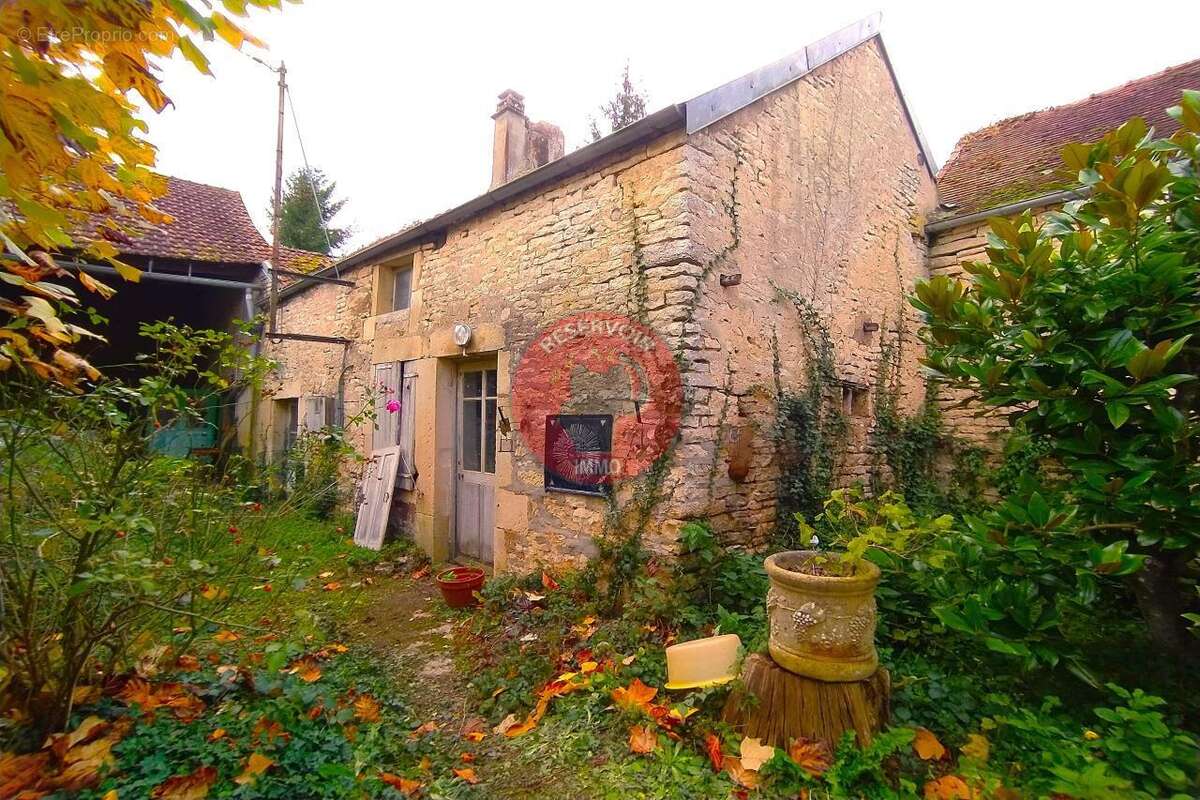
(470,365)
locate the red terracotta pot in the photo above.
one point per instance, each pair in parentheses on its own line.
(459,590)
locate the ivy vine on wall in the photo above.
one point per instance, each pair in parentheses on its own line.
(810,428)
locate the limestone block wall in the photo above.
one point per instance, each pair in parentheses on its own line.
(816,190)
(606,240)
(948,252)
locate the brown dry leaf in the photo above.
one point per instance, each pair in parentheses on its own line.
(82,764)
(326,574)
(20,773)
(187,787)
(268,730)
(332,586)
(520,729)
(225,637)
(628,660)
(306,669)
(739,774)
(366,709)
(754,753)
(712,746)
(636,695)
(217,735)
(256,765)
(85,695)
(421,573)
(927,746)
(406,786)
(814,756)
(643,739)
(467,774)
(475,736)
(188,663)
(977,747)
(147,665)
(505,725)
(548,582)
(948,787)
(185,706)
(424,728)
(60,743)
(148,697)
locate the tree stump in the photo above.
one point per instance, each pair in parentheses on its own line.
(777,706)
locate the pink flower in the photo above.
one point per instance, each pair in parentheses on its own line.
(393,406)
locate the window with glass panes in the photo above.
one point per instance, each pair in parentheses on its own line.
(478,421)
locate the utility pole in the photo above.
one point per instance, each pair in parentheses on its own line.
(274,299)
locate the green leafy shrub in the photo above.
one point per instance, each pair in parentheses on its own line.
(1137,741)
(1083,327)
(107,544)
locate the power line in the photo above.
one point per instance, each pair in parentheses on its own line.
(309,173)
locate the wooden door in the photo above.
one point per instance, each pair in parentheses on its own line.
(475,495)
(375,497)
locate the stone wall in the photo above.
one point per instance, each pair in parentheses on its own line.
(825,180)
(603,240)
(817,190)
(948,252)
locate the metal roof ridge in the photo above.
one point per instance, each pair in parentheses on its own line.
(716,104)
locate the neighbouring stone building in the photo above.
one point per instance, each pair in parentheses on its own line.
(203,269)
(1015,165)
(803,183)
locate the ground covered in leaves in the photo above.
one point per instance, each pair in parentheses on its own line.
(353,679)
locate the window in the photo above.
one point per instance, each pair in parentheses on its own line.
(394,286)
(401,289)
(855,401)
(287,423)
(478,421)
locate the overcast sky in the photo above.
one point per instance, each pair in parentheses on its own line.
(394,98)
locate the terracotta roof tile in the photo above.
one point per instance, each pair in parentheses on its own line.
(210,224)
(1018,158)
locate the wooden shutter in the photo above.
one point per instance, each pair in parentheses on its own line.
(407,415)
(375,498)
(315,413)
(387,387)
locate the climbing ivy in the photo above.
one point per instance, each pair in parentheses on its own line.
(810,429)
(620,553)
(916,455)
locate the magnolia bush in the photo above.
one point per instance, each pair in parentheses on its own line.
(1080,325)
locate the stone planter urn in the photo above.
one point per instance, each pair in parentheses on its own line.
(822,624)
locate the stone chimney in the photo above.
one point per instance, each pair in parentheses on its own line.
(520,145)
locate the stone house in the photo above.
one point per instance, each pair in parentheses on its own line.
(1013,166)
(712,224)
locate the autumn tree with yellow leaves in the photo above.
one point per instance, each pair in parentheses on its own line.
(72,150)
